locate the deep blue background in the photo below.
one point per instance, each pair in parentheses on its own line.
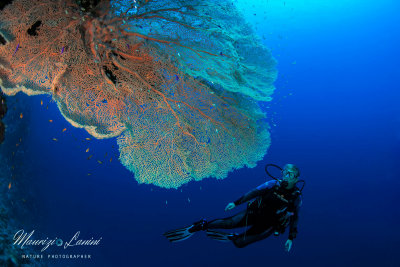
(337,116)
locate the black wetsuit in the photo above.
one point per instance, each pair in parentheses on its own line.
(272,211)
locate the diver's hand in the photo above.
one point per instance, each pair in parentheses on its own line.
(230,206)
(288,245)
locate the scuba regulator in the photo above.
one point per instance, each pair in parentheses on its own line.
(281,181)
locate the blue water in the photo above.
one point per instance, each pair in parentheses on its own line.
(335,114)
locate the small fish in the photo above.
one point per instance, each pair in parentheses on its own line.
(89,157)
(100,162)
(50,120)
(166,202)
(9,185)
(55,139)
(64,129)
(47,107)
(16,144)
(62,50)
(89,174)
(176,77)
(21,115)
(87,150)
(189,200)
(16,50)
(41,102)
(110,159)
(87,138)
(20,140)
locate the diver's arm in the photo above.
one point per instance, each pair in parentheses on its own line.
(260,190)
(294,219)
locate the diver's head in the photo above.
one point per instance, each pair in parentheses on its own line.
(290,175)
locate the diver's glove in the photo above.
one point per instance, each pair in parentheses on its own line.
(230,206)
(288,245)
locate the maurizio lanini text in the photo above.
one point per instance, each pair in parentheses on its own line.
(21,238)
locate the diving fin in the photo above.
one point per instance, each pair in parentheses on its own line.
(220,236)
(186,232)
(179,234)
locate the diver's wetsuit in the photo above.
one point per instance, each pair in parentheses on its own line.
(273,209)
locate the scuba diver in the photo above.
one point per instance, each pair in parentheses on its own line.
(275,207)
(3,110)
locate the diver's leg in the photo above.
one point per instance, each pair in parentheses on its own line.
(237,220)
(252,235)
